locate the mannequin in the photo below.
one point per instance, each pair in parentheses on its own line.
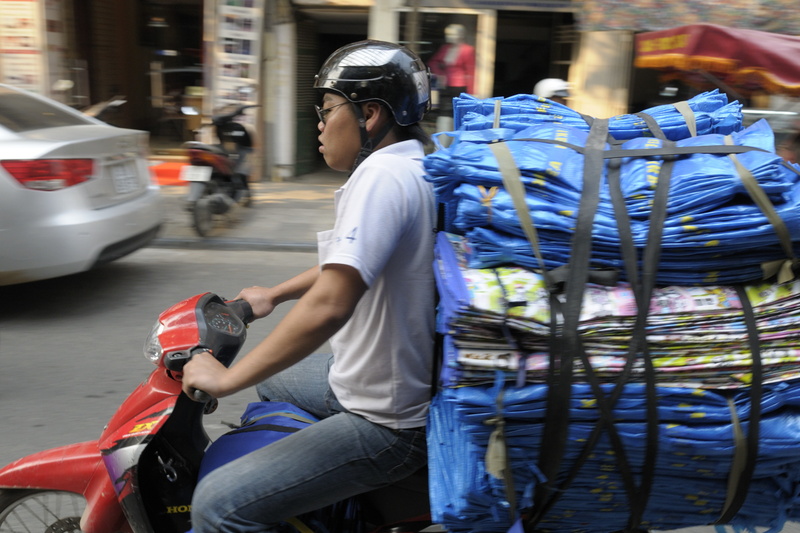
(454,62)
(454,67)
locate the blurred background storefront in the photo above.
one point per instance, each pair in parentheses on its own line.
(162,55)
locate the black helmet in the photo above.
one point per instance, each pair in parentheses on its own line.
(378,70)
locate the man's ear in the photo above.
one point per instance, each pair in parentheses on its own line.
(373,112)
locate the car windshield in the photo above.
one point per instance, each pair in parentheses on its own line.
(20,112)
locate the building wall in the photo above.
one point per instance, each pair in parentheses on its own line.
(601,73)
(306,124)
(779,16)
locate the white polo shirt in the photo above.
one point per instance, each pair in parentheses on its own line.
(385,220)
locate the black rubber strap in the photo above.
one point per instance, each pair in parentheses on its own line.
(557,278)
(496,458)
(652,125)
(565,341)
(368,144)
(265,427)
(687,112)
(638,495)
(642,287)
(650,152)
(644,294)
(512,182)
(739,482)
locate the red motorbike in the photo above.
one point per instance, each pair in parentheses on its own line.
(140,474)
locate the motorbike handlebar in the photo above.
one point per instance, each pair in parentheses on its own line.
(200,396)
(244,311)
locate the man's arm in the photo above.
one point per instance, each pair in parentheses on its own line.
(319,313)
(263,300)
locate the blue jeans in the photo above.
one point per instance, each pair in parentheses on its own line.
(340,456)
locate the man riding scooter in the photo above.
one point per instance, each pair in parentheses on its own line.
(372,295)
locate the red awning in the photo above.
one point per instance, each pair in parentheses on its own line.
(744,59)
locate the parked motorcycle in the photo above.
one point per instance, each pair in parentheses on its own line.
(140,474)
(218,173)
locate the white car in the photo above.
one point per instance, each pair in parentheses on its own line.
(75,192)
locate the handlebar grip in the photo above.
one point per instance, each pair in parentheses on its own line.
(197,394)
(242,309)
(200,396)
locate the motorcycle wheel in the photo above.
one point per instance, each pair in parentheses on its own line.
(246,199)
(46,511)
(202,216)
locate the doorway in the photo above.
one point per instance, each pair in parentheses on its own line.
(531,46)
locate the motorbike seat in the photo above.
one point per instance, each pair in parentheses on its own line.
(213,148)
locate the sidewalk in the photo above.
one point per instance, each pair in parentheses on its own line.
(283,216)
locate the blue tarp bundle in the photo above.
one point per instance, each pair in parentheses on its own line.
(495,317)
(714,231)
(712,114)
(695,335)
(691,473)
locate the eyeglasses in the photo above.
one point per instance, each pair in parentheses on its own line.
(322,113)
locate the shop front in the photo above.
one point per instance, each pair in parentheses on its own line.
(488,48)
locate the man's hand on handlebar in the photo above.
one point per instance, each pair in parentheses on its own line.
(203,372)
(260,299)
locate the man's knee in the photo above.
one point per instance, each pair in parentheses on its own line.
(208,506)
(266,392)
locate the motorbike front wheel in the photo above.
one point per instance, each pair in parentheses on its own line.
(44,511)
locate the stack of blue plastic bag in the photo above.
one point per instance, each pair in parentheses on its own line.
(712,114)
(714,232)
(714,390)
(695,459)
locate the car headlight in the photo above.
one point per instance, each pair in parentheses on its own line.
(152,346)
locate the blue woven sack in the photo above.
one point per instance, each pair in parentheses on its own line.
(262,423)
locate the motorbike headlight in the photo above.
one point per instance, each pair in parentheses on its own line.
(152,346)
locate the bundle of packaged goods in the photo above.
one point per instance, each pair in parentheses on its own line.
(629,359)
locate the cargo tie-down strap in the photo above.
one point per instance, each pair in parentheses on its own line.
(566,343)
